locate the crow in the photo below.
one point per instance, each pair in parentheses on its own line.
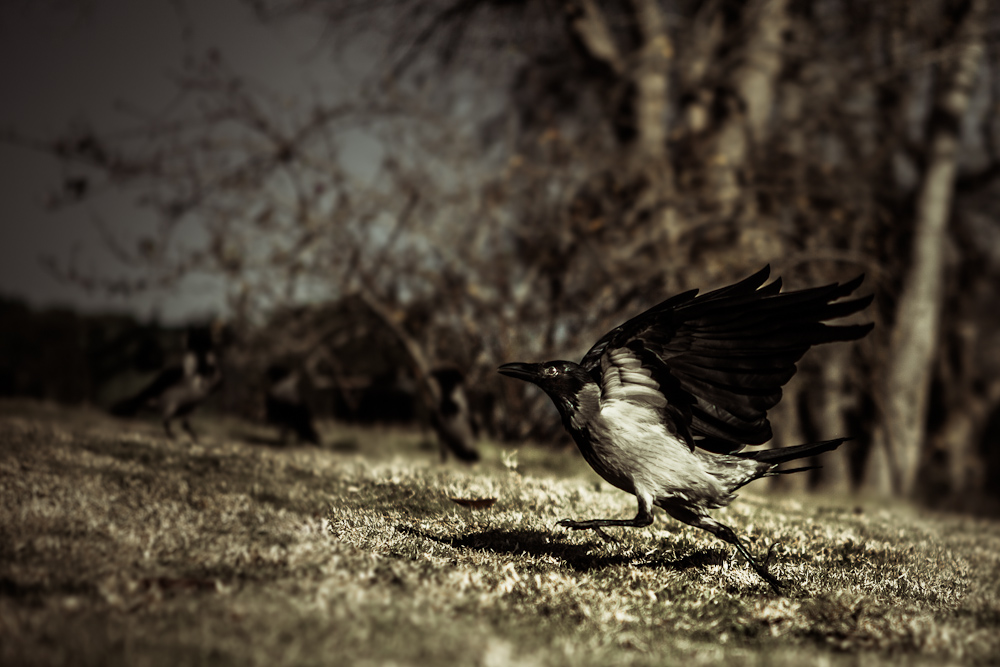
(285,407)
(180,388)
(662,405)
(452,420)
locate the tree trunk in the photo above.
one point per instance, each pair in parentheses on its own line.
(651,82)
(646,71)
(878,477)
(756,79)
(835,475)
(914,338)
(970,393)
(959,438)
(652,98)
(747,123)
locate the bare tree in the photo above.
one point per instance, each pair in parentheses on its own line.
(914,339)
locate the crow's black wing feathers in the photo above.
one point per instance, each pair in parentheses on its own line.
(720,359)
(621,334)
(662,313)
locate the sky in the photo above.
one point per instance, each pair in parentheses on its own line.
(58,65)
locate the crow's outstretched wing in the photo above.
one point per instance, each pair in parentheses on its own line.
(715,363)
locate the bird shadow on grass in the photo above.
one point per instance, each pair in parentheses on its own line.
(581,557)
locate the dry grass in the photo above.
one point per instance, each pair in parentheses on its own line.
(118,546)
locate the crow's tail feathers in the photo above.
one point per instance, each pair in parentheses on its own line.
(783,454)
(127,407)
(775,457)
(789,471)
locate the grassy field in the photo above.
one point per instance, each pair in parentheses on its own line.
(120,547)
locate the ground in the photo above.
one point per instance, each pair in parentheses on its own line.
(121,547)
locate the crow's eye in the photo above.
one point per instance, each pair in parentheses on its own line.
(550,371)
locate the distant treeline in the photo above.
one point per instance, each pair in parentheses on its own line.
(61,355)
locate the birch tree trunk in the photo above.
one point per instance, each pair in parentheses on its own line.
(646,70)
(650,79)
(914,339)
(754,81)
(652,98)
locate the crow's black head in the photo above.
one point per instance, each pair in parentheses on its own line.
(570,387)
(560,379)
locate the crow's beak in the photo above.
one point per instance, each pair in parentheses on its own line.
(526,372)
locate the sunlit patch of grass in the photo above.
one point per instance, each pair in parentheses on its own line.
(118,546)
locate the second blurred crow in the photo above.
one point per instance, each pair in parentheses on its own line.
(452,420)
(179,388)
(285,407)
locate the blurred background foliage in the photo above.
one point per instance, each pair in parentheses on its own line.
(536,172)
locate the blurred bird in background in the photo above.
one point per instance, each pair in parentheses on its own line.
(452,421)
(180,388)
(285,406)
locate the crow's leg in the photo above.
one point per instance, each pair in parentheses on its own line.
(643,518)
(166,427)
(705,522)
(188,429)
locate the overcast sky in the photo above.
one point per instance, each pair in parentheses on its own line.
(57,66)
